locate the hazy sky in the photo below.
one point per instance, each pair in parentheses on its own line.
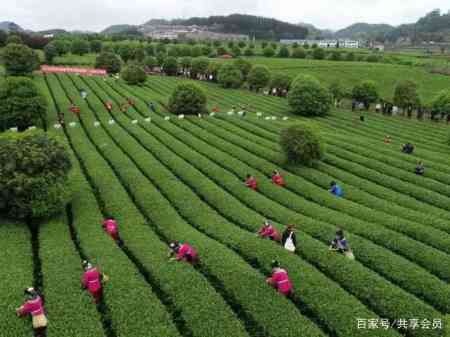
(98,14)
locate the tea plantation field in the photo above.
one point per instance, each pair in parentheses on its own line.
(166,178)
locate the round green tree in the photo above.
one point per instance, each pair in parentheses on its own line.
(337,91)
(229,76)
(350,57)
(268,52)
(133,73)
(185,63)
(319,53)
(441,103)
(80,47)
(366,92)
(14,38)
(244,66)
(249,52)
(283,52)
(406,95)
(34,169)
(308,97)
(259,77)
(19,60)
(95,46)
(336,55)
(108,61)
(21,104)
(187,99)
(280,81)
(299,53)
(170,66)
(199,66)
(50,52)
(301,145)
(150,62)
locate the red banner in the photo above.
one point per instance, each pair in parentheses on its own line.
(82,71)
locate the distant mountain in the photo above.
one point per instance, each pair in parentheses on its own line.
(364,31)
(253,26)
(432,27)
(316,33)
(118,29)
(53,32)
(10,27)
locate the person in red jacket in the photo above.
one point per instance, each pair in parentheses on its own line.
(280,279)
(277,179)
(183,252)
(269,231)
(34,306)
(251,182)
(110,226)
(109,106)
(92,281)
(75,109)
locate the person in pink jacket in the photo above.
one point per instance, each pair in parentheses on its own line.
(34,306)
(110,226)
(92,281)
(183,252)
(269,231)
(280,279)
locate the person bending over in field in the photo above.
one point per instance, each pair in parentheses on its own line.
(34,306)
(387,140)
(340,244)
(277,179)
(408,148)
(75,110)
(420,169)
(92,281)
(269,231)
(251,182)
(289,240)
(183,252)
(83,94)
(110,226)
(280,279)
(109,106)
(335,189)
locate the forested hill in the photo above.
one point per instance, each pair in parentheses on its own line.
(432,27)
(260,27)
(364,31)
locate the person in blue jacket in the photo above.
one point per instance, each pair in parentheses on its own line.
(336,189)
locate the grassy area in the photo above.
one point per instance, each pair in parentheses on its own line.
(71,59)
(348,73)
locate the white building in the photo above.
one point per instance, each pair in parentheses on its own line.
(326,43)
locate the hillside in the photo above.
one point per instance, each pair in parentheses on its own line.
(117,29)
(260,27)
(432,27)
(364,31)
(10,27)
(316,33)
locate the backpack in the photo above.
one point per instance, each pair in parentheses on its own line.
(289,244)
